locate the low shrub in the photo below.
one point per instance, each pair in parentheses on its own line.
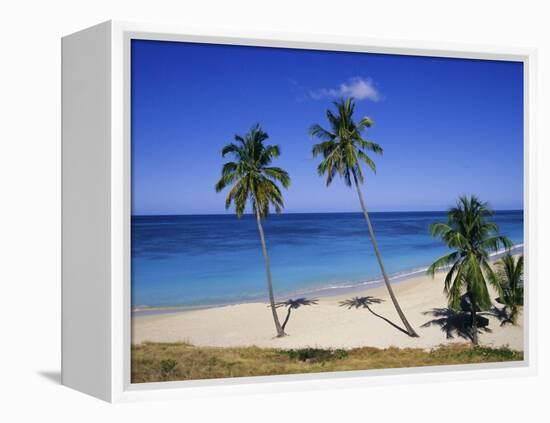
(167,366)
(315,354)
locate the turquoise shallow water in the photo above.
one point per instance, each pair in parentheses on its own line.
(217,259)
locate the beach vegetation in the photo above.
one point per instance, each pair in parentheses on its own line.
(167,366)
(510,274)
(343,151)
(472,236)
(212,362)
(255,181)
(315,354)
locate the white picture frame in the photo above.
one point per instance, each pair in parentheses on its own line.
(96,327)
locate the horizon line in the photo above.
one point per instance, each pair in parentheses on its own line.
(328,212)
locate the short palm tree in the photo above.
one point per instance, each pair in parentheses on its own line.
(343,149)
(510,274)
(472,236)
(253,180)
(292,305)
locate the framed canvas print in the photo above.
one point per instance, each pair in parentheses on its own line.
(247,212)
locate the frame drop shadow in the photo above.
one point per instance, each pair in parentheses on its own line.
(54,376)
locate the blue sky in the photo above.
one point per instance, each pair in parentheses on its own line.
(448,127)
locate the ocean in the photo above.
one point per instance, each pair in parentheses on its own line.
(202,260)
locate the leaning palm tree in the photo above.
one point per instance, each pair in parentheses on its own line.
(510,274)
(472,236)
(343,148)
(253,180)
(292,305)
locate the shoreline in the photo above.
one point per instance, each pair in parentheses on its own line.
(329,325)
(313,292)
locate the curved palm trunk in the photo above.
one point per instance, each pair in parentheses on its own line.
(280,330)
(409,328)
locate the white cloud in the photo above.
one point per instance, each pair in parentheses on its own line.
(358,88)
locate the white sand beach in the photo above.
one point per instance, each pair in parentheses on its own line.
(326,325)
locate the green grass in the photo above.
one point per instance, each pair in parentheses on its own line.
(155,362)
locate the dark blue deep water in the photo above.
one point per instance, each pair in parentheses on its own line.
(217,259)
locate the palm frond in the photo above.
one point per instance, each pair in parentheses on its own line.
(370,146)
(250,176)
(342,147)
(494,242)
(370,163)
(321,133)
(278,174)
(231,148)
(443,262)
(364,123)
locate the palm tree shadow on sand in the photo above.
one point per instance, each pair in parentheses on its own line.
(291,304)
(366,302)
(456,323)
(502,315)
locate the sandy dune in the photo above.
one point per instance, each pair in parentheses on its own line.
(324,325)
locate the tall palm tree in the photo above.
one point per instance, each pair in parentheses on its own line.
(510,274)
(292,305)
(343,148)
(253,180)
(472,236)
